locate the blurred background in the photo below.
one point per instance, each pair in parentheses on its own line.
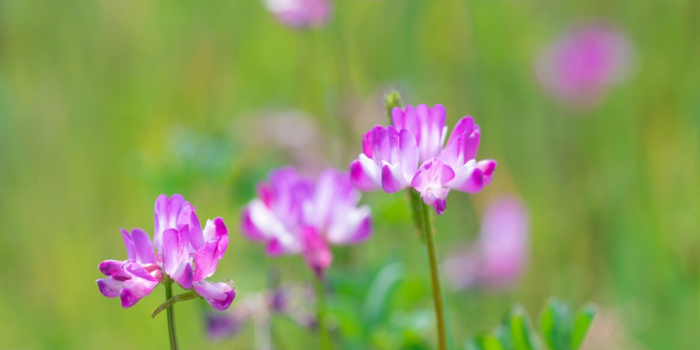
(106,104)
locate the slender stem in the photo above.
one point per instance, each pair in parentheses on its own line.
(435,277)
(171,316)
(324,337)
(416,206)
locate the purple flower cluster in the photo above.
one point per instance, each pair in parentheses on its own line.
(579,67)
(410,153)
(186,254)
(295,215)
(300,13)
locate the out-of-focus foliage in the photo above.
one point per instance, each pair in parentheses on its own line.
(560,328)
(381,310)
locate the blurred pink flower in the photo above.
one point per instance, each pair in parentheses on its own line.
(295,215)
(501,252)
(300,13)
(181,244)
(391,155)
(580,66)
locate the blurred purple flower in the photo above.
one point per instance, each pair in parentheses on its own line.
(500,255)
(580,66)
(300,13)
(221,325)
(294,302)
(181,243)
(391,155)
(294,215)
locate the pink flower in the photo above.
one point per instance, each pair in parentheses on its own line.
(390,156)
(182,243)
(500,254)
(300,13)
(580,66)
(431,181)
(295,215)
(389,160)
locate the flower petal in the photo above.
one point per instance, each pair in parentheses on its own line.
(468,178)
(317,253)
(431,180)
(134,290)
(408,154)
(138,246)
(254,217)
(166,213)
(218,295)
(208,256)
(188,217)
(487,167)
(393,179)
(176,259)
(214,229)
(354,226)
(109,287)
(461,150)
(261,224)
(426,124)
(464,126)
(111,267)
(183,275)
(365,174)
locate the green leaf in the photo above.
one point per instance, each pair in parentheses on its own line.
(556,323)
(377,305)
(547,323)
(173,300)
(488,341)
(582,323)
(521,331)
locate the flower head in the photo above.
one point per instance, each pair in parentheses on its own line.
(390,156)
(186,254)
(295,215)
(580,66)
(300,13)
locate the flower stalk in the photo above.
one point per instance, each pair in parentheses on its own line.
(171,315)
(429,236)
(417,208)
(324,336)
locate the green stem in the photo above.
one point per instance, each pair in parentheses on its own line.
(171,316)
(416,206)
(324,337)
(435,276)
